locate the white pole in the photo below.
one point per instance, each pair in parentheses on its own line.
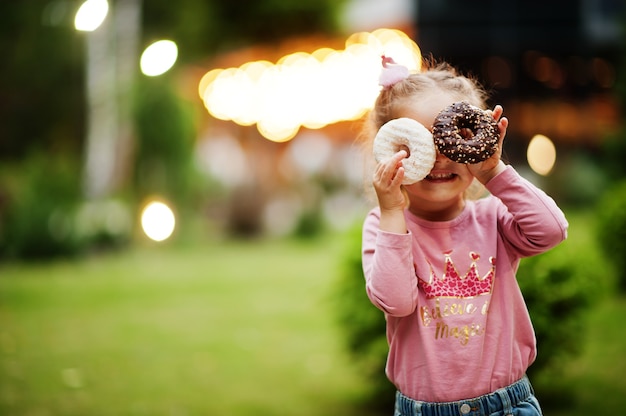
(102,119)
(111,62)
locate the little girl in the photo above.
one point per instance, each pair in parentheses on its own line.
(442,267)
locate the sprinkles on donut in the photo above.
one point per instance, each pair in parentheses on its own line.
(465,133)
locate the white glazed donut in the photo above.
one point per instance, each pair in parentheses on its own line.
(412,136)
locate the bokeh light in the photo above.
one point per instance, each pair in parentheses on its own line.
(541,154)
(306,90)
(158,58)
(90,15)
(158,221)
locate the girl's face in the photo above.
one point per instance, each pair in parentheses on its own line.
(439,196)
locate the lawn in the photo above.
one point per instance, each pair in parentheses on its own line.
(215,329)
(218,328)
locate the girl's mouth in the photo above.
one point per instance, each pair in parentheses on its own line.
(440,176)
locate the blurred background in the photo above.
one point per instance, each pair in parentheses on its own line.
(182,186)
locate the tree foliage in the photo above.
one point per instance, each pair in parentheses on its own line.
(611,231)
(43,103)
(42,67)
(41,77)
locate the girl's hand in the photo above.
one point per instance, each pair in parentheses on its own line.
(387,183)
(388,186)
(488,169)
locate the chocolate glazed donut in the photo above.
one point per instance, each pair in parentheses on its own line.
(465,133)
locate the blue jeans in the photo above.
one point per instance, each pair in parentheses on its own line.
(518,399)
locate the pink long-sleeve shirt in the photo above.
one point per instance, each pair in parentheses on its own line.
(457,324)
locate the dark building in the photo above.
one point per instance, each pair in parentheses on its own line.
(562,56)
(571,32)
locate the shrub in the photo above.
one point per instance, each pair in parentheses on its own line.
(559,287)
(611,228)
(362,323)
(613,154)
(165,140)
(579,179)
(39,200)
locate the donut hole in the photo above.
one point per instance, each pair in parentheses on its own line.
(466,133)
(406,149)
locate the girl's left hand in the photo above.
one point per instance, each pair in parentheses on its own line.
(488,169)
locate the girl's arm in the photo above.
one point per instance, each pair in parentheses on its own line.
(390,278)
(530,220)
(387,260)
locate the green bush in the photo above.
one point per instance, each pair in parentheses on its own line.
(104,224)
(363,325)
(165,141)
(39,200)
(613,153)
(611,229)
(560,286)
(579,179)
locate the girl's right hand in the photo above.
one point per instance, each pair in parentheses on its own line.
(488,169)
(387,183)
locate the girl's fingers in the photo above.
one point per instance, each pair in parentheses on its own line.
(497,112)
(388,182)
(396,181)
(387,171)
(503,124)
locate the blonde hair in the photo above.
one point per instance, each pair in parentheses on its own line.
(433,78)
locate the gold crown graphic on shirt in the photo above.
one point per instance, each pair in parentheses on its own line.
(453,285)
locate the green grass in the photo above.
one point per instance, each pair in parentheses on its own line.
(214,329)
(220,328)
